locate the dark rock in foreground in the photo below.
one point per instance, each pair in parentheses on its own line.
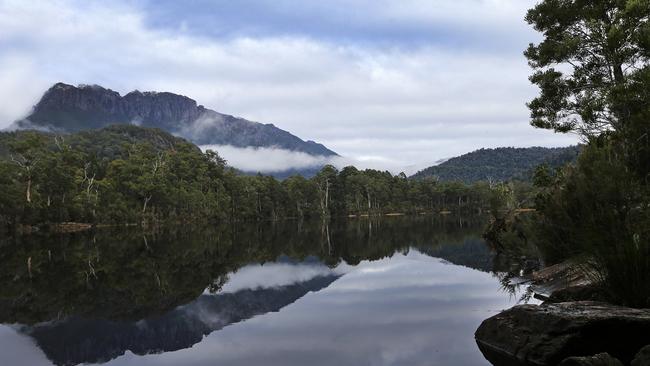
(643,357)
(601,359)
(547,334)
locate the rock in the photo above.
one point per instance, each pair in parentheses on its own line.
(601,359)
(558,277)
(643,357)
(547,334)
(577,293)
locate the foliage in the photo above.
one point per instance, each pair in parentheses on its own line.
(118,174)
(499,165)
(586,63)
(597,211)
(128,174)
(510,219)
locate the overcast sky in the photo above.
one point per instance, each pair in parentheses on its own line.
(386,83)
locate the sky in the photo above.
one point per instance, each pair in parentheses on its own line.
(388,84)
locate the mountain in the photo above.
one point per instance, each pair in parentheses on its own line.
(500,164)
(67,108)
(77,340)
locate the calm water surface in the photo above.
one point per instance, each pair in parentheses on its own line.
(395,291)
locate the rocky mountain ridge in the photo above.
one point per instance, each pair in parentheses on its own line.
(68,108)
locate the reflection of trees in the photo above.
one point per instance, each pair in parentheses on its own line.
(107,274)
(125,274)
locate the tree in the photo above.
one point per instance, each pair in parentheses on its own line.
(25,155)
(592,52)
(324,180)
(593,70)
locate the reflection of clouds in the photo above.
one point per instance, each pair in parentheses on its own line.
(409,309)
(269,275)
(19,350)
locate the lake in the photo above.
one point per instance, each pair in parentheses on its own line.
(389,291)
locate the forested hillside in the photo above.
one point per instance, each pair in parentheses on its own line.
(128,174)
(500,164)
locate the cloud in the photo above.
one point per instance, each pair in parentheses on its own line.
(342,73)
(27,125)
(266,159)
(404,23)
(198,128)
(273,160)
(18,349)
(271,275)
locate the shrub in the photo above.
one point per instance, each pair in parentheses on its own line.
(598,212)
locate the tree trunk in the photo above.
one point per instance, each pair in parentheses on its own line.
(329,242)
(144,206)
(327,193)
(28,194)
(369,204)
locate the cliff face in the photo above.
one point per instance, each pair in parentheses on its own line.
(69,108)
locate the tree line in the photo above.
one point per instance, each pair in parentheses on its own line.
(128,174)
(500,164)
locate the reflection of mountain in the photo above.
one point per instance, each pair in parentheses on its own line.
(472,253)
(79,340)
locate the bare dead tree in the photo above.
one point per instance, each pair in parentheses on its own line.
(27,165)
(88,180)
(59,141)
(158,163)
(146,201)
(324,189)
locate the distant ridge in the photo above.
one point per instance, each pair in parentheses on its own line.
(68,108)
(500,164)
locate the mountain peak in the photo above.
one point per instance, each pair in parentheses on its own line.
(69,108)
(62,86)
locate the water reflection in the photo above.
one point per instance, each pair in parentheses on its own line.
(407,310)
(81,340)
(352,292)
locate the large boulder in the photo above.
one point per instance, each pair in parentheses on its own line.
(643,357)
(549,333)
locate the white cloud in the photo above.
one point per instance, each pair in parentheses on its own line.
(273,160)
(266,159)
(385,106)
